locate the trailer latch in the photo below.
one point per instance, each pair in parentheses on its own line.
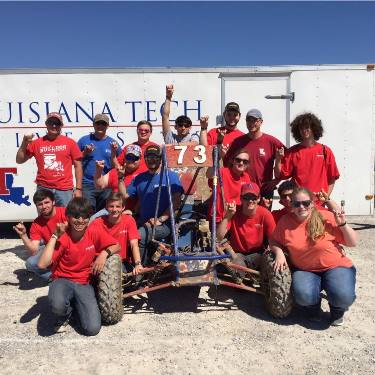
(289,96)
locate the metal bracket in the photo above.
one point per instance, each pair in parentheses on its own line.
(290,96)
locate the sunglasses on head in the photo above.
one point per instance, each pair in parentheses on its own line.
(239,161)
(131,157)
(186,126)
(250,197)
(305,204)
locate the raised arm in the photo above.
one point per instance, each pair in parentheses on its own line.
(167,109)
(203,134)
(100,180)
(21,155)
(32,246)
(278,157)
(222,227)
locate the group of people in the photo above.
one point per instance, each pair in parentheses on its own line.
(120,187)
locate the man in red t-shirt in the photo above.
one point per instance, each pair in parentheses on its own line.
(55,155)
(226,134)
(249,228)
(262,149)
(41,229)
(124,229)
(77,252)
(310,164)
(144,131)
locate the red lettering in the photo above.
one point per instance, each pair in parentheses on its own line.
(3,173)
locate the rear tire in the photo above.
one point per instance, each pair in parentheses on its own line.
(109,291)
(276,287)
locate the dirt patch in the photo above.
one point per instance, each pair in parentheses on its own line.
(162,335)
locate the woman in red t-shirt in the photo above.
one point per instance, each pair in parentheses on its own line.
(76,251)
(312,240)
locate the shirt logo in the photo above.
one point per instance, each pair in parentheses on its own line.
(90,248)
(262,152)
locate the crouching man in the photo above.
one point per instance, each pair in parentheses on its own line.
(77,253)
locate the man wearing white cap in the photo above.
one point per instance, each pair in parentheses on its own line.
(55,154)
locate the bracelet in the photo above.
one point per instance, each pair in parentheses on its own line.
(108,252)
(55,236)
(138,263)
(342,225)
(77,188)
(121,178)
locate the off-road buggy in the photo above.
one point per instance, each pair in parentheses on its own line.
(192,257)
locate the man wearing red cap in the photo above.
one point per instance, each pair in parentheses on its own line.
(250,227)
(55,155)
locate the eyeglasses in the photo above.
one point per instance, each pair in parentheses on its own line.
(100,123)
(249,197)
(239,161)
(186,126)
(305,204)
(51,122)
(144,131)
(131,157)
(78,216)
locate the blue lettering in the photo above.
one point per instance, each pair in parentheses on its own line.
(162,106)
(133,109)
(10,114)
(122,142)
(47,107)
(186,109)
(17,140)
(34,111)
(107,111)
(90,117)
(64,111)
(149,110)
(20,112)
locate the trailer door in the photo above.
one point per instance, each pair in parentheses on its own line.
(250,91)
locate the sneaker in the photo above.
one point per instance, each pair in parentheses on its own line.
(338,322)
(61,324)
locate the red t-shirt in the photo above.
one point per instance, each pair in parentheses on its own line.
(123,231)
(229,136)
(142,164)
(319,256)
(278,214)
(42,228)
(310,167)
(232,190)
(247,233)
(54,159)
(261,152)
(72,260)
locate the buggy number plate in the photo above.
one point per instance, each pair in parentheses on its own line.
(192,265)
(189,155)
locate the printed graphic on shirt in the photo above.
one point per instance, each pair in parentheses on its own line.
(51,163)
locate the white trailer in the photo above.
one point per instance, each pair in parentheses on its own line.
(343,96)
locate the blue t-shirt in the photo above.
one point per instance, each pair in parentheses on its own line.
(102,151)
(145,187)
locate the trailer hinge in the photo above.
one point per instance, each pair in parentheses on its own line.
(290,96)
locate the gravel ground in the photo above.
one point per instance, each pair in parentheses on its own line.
(160,334)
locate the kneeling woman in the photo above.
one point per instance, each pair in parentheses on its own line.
(76,253)
(312,240)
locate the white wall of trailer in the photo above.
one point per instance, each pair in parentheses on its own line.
(342,96)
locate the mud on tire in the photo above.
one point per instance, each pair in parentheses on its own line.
(109,291)
(276,287)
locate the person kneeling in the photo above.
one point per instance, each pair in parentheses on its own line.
(77,252)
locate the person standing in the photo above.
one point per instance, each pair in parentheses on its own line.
(96,146)
(55,155)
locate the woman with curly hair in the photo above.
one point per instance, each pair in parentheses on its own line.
(312,240)
(310,164)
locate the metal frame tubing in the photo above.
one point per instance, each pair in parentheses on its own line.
(214,192)
(240,286)
(147,290)
(158,199)
(242,268)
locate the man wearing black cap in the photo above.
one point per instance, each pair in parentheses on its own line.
(55,154)
(226,134)
(145,188)
(262,149)
(97,146)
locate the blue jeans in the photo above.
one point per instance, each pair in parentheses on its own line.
(161,232)
(339,284)
(97,197)
(62,197)
(63,292)
(32,265)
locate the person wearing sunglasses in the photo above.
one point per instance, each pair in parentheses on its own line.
(144,132)
(76,253)
(183,124)
(55,155)
(312,239)
(232,178)
(97,146)
(285,191)
(249,226)
(310,164)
